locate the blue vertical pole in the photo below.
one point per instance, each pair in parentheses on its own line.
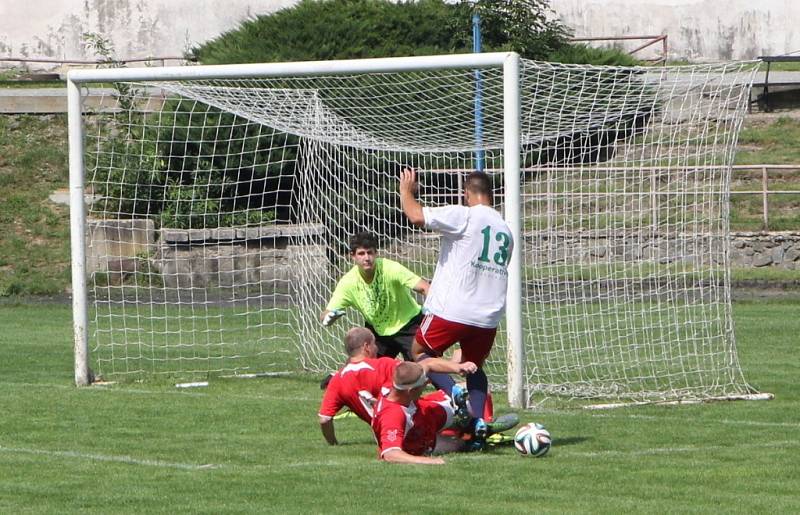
(476,48)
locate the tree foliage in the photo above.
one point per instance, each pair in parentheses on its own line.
(174,184)
(349,29)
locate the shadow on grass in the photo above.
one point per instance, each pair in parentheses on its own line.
(572,440)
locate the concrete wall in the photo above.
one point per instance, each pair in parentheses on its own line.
(700,30)
(137,28)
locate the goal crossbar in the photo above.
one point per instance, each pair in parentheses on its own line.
(294,69)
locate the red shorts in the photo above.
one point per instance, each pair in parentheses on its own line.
(438,334)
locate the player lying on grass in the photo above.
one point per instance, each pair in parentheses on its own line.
(381,290)
(407,425)
(359,383)
(467,296)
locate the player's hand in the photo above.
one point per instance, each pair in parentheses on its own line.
(332,316)
(467,367)
(408,181)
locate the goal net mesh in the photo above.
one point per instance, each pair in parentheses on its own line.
(220,212)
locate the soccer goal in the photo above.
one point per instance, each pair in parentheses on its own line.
(211,208)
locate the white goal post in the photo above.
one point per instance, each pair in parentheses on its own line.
(211,205)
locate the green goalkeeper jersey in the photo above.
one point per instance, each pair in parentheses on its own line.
(386,303)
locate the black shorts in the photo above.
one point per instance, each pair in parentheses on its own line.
(399,342)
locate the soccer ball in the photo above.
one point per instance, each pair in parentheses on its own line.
(532,440)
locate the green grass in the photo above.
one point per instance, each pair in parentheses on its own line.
(765,274)
(34,248)
(772,143)
(782,67)
(242,446)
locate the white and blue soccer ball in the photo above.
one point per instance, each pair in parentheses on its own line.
(532,440)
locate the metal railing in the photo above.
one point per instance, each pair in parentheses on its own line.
(159,60)
(765,192)
(648,42)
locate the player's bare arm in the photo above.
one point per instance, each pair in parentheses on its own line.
(408,189)
(422,287)
(328,431)
(448,366)
(401,456)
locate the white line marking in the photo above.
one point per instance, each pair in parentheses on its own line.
(102,457)
(656,418)
(327,463)
(182,392)
(726,421)
(674,450)
(195,384)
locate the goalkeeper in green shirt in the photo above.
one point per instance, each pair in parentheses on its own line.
(380,289)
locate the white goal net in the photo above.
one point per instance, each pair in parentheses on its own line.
(220,210)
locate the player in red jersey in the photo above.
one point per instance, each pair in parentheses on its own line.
(406,425)
(360,382)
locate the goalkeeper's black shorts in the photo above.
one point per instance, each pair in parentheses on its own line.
(399,342)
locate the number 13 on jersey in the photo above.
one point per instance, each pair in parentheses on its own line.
(500,257)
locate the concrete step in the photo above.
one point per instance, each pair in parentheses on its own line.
(54,100)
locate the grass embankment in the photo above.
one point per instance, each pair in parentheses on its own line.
(34,248)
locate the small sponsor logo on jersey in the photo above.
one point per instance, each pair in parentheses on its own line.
(488,268)
(392,435)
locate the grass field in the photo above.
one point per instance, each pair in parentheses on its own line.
(248,446)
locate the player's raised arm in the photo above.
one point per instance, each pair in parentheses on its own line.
(411,206)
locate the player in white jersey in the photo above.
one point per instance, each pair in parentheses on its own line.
(467,296)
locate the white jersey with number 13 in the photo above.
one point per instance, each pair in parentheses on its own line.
(471,278)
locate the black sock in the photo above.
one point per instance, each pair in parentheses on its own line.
(478,388)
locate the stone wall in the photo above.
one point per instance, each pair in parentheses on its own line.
(748,249)
(216,258)
(775,249)
(228,257)
(236,257)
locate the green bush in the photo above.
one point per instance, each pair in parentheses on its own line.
(179,176)
(177,168)
(583,54)
(349,29)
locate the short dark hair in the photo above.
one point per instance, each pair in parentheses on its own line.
(363,240)
(479,183)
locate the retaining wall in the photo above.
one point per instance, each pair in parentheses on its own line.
(235,256)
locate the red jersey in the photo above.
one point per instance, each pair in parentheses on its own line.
(411,428)
(358,386)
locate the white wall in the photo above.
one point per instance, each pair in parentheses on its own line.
(707,30)
(697,29)
(137,28)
